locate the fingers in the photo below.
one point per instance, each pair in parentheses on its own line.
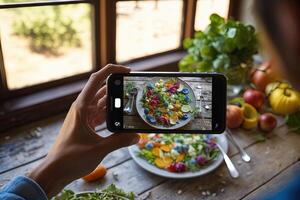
(119,140)
(100,112)
(96,79)
(102,102)
(100,93)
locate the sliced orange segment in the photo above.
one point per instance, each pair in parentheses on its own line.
(143,135)
(156,144)
(156,151)
(160,163)
(168,161)
(166,147)
(180,157)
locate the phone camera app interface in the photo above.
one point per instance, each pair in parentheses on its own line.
(167,103)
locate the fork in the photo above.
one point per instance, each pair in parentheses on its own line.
(243,153)
(230,166)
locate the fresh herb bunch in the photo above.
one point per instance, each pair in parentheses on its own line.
(293,122)
(110,193)
(129,87)
(225,46)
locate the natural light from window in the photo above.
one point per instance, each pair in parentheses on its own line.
(147,27)
(206,7)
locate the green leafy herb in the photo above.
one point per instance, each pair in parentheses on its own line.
(129,86)
(238,101)
(147,154)
(260,137)
(293,122)
(110,193)
(226,46)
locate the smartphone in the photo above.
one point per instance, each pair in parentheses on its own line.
(166,102)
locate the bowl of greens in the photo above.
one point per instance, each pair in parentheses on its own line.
(109,193)
(166,103)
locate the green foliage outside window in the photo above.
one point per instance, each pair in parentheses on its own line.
(48,30)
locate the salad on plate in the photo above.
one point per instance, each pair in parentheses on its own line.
(167,103)
(178,152)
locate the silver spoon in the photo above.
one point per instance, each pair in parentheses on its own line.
(243,153)
(230,166)
(129,105)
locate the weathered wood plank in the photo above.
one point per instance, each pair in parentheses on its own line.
(276,183)
(268,159)
(109,161)
(195,124)
(28,143)
(23,170)
(116,157)
(130,177)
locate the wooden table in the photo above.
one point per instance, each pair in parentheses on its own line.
(274,161)
(201,87)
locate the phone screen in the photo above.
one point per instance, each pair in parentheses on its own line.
(167,103)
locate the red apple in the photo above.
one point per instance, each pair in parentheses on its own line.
(263,75)
(254,98)
(234,116)
(267,122)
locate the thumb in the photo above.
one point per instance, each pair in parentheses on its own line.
(119,140)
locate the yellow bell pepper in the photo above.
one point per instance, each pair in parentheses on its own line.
(250,116)
(283,99)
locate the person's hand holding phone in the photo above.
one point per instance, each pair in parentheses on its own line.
(78,149)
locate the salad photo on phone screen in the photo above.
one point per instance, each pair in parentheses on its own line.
(167,103)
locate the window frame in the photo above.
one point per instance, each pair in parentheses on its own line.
(21,106)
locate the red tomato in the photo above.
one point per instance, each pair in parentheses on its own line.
(172,167)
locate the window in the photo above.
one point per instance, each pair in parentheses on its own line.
(41,44)
(48,48)
(205,8)
(147,27)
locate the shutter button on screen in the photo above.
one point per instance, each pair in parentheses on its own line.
(117,103)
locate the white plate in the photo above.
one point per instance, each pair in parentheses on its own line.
(221,139)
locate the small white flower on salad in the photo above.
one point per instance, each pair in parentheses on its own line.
(174,153)
(192,151)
